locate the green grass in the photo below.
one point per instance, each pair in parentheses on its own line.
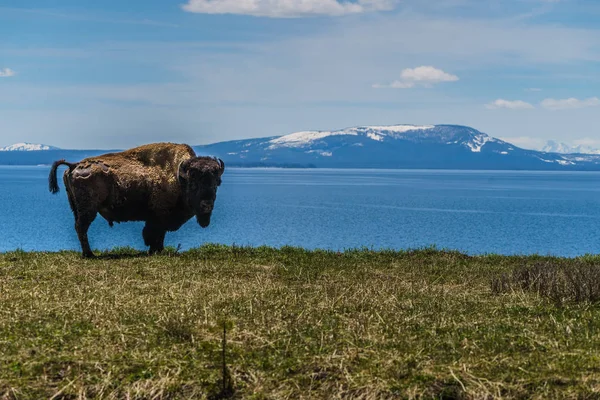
(301,324)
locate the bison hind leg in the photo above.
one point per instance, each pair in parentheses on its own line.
(82,224)
(154,236)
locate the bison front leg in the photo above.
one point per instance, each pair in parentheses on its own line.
(82,224)
(154,236)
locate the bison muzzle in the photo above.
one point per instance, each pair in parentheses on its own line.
(163,184)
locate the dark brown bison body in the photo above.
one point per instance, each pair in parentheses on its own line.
(163,184)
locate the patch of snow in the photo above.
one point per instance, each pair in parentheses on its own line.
(232,154)
(320,152)
(301,139)
(504,152)
(565,162)
(358,144)
(478,142)
(306,138)
(400,128)
(375,136)
(26,147)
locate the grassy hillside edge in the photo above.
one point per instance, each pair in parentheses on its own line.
(300,324)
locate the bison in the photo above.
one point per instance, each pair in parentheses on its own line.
(163,184)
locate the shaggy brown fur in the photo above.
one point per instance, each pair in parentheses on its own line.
(163,184)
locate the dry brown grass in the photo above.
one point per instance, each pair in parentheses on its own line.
(559,280)
(357,325)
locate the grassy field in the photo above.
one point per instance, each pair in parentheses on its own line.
(300,324)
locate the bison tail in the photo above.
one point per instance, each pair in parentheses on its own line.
(52,180)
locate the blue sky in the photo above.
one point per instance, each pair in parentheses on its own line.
(115,74)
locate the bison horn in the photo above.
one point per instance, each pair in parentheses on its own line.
(182,170)
(222,165)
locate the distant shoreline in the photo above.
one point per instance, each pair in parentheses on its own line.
(341,168)
(228,165)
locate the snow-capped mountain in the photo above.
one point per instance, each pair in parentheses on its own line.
(388,146)
(27,147)
(393,146)
(553,146)
(472,139)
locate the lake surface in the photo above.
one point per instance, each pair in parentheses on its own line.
(476,212)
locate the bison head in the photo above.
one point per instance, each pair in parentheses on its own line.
(199,178)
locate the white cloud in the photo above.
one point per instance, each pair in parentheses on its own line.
(6,72)
(320,79)
(286,8)
(423,76)
(570,103)
(427,74)
(510,104)
(402,85)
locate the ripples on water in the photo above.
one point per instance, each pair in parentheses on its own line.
(472,211)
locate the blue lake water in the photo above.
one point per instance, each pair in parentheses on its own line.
(476,212)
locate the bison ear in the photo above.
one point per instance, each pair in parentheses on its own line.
(222,164)
(182,171)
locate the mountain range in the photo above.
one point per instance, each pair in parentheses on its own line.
(396,146)
(27,147)
(553,146)
(393,146)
